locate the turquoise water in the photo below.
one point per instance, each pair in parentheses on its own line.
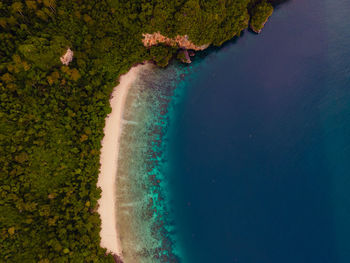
(144,219)
(251,147)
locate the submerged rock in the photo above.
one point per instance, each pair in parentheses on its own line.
(117,259)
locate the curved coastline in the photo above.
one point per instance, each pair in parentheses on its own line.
(109,162)
(109,156)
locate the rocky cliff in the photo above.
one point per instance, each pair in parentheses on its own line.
(179,41)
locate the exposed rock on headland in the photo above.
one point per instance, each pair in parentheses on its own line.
(184,56)
(179,41)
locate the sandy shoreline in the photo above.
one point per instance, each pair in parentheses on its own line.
(108,159)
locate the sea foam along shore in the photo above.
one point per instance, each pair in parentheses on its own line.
(109,162)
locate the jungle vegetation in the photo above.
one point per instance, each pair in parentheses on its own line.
(260,13)
(52,115)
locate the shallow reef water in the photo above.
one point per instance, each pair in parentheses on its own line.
(144,217)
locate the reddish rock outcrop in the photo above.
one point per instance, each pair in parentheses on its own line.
(179,41)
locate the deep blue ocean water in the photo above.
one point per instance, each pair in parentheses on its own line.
(243,155)
(259,143)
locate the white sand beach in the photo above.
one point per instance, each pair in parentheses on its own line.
(109,162)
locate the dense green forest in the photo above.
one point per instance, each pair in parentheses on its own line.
(260,13)
(52,115)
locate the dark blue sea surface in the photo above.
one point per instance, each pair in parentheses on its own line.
(259,147)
